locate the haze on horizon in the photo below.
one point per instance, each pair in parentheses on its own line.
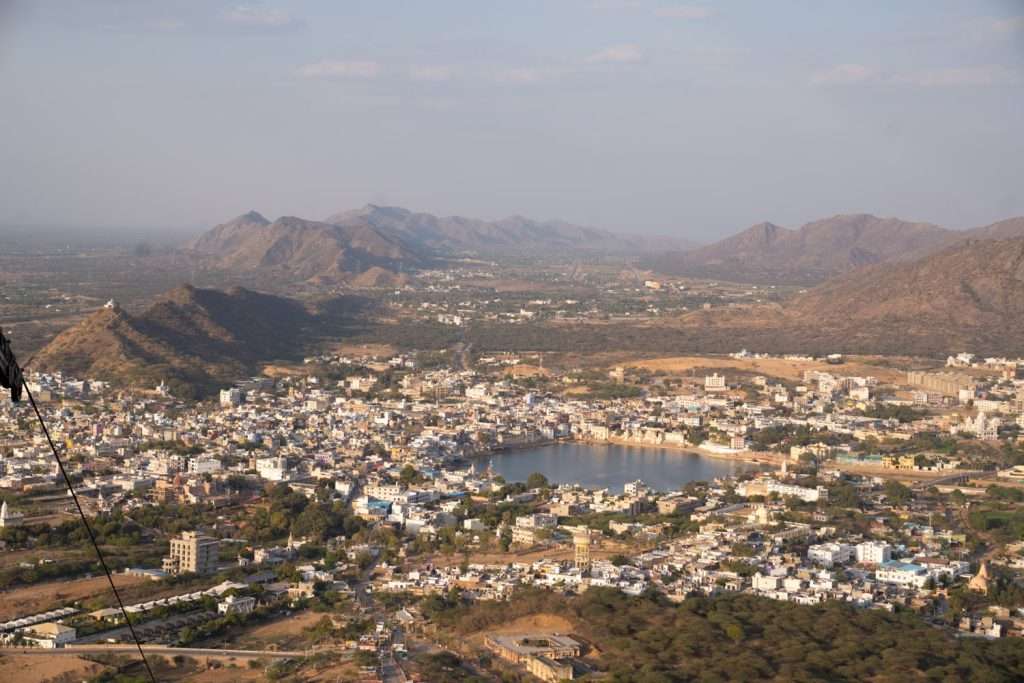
(692,119)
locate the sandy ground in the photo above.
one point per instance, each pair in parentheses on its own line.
(283,633)
(15,557)
(544,623)
(523,370)
(34,669)
(364,350)
(226,675)
(792,370)
(42,597)
(536,622)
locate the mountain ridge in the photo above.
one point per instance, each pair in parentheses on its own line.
(295,248)
(195,339)
(769,253)
(447,235)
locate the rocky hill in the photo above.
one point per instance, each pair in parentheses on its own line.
(768,253)
(192,338)
(968,296)
(295,249)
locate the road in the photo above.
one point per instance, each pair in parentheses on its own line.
(461,357)
(391,672)
(97,649)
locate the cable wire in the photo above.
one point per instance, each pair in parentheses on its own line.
(88,528)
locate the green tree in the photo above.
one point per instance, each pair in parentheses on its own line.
(536,480)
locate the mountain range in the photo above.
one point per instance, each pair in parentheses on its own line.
(447,235)
(390,241)
(382,246)
(967,296)
(768,253)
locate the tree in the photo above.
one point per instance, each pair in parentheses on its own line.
(313,522)
(536,480)
(408,475)
(897,493)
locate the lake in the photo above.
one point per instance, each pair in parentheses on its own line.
(611,466)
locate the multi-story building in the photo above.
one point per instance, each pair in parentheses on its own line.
(946,383)
(192,553)
(829,554)
(902,574)
(714,382)
(235,604)
(873,552)
(231,397)
(203,464)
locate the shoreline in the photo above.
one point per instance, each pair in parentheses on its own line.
(758,459)
(745,457)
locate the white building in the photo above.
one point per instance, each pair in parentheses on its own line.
(236,605)
(761,582)
(873,552)
(50,635)
(273,469)
(902,574)
(231,397)
(829,554)
(203,464)
(714,382)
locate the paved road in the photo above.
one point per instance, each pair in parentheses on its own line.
(75,650)
(461,358)
(391,672)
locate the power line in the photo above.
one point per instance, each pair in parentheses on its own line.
(88,528)
(9,361)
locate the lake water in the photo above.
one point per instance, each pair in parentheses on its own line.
(611,466)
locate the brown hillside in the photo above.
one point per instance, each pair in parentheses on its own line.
(969,296)
(191,338)
(815,252)
(295,249)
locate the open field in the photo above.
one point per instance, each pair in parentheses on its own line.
(16,557)
(46,596)
(363,350)
(284,634)
(523,370)
(225,676)
(42,597)
(34,669)
(535,622)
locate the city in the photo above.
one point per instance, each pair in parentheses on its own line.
(617,341)
(368,481)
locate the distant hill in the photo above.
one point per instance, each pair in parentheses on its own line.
(193,338)
(297,249)
(967,297)
(376,278)
(768,253)
(1007,229)
(452,235)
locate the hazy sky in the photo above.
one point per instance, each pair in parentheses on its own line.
(696,119)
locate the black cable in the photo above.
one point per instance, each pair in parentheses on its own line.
(92,536)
